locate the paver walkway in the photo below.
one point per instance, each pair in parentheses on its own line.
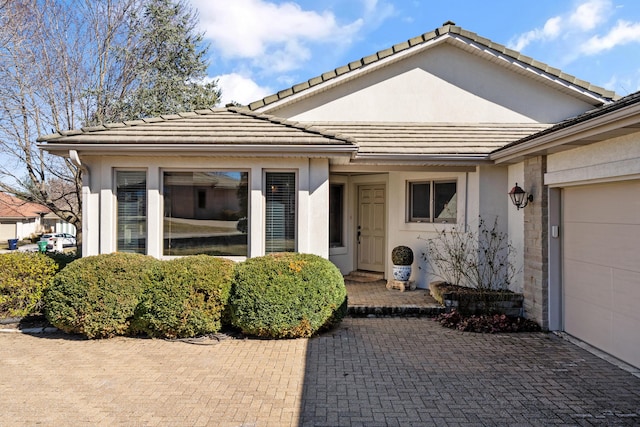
(368,372)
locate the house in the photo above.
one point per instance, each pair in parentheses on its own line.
(25,220)
(20,219)
(427,135)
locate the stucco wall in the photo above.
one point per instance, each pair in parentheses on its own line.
(516,227)
(614,159)
(440,84)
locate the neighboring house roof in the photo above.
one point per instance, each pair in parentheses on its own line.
(14,208)
(231,130)
(467,40)
(618,118)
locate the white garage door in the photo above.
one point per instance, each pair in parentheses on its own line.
(601,266)
(7,231)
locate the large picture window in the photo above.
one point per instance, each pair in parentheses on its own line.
(205,213)
(432,201)
(280,215)
(131,221)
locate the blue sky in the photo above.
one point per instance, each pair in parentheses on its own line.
(261,46)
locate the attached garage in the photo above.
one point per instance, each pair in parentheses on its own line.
(582,229)
(601,266)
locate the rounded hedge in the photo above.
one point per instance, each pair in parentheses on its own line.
(97,296)
(23,278)
(287,295)
(189,298)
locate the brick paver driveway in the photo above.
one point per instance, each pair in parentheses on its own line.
(369,372)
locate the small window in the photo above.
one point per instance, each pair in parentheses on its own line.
(432,201)
(280,216)
(336,217)
(131,220)
(202,199)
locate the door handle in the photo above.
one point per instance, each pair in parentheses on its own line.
(359,233)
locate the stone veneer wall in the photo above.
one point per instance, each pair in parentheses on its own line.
(536,243)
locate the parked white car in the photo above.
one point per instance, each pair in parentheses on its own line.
(51,239)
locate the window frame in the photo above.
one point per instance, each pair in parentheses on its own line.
(117,219)
(431,203)
(196,190)
(341,213)
(296,201)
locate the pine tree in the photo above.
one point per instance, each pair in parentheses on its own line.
(170,65)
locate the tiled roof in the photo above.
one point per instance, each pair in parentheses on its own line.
(11,207)
(430,138)
(626,101)
(228,126)
(448,29)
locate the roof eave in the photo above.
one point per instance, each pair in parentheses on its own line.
(579,134)
(422,160)
(62,149)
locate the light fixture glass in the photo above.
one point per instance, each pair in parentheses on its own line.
(519,197)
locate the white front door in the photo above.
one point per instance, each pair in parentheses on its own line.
(371,227)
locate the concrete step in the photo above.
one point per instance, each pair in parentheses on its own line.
(360,276)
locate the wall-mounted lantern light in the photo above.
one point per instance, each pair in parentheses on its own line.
(519,197)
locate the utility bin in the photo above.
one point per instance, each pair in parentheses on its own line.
(42,246)
(13,244)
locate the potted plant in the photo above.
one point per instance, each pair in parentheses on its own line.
(402,258)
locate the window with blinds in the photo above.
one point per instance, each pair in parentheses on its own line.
(131,195)
(280,227)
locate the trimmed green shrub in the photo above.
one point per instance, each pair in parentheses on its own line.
(97,296)
(188,300)
(62,258)
(287,295)
(23,278)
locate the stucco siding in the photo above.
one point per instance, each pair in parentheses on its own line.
(441,84)
(613,159)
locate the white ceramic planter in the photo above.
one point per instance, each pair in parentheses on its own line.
(402,272)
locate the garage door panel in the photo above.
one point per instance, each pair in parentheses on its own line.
(605,203)
(587,242)
(583,319)
(579,276)
(7,231)
(626,295)
(625,338)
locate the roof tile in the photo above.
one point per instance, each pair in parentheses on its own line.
(370,59)
(401,46)
(301,86)
(385,53)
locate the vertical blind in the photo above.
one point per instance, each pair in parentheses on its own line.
(131,194)
(280,227)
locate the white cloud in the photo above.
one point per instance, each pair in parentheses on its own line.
(549,31)
(276,36)
(588,15)
(584,18)
(622,33)
(238,88)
